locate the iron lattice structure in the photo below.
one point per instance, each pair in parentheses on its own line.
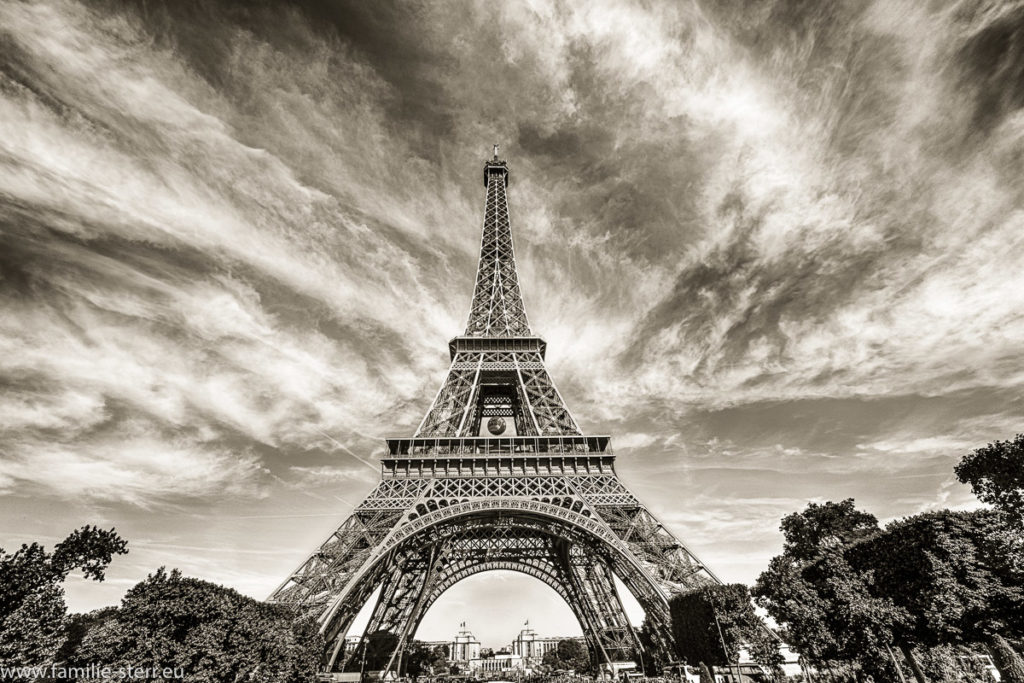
(497,476)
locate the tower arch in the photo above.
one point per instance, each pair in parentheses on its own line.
(576,554)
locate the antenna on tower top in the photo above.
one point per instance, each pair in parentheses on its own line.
(495,150)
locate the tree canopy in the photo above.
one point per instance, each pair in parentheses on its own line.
(827,609)
(823,526)
(421,659)
(996,475)
(32,609)
(568,654)
(846,590)
(209,632)
(950,573)
(711,624)
(373,652)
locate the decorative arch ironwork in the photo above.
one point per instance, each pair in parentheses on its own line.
(576,554)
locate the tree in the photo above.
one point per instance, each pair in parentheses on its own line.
(996,475)
(32,608)
(1009,663)
(207,632)
(439,659)
(795,603)
(568,654)
(953,577)
(826,607)
(711,624)
(78,626)
(695,632)
(374,651)
(419,659)
(651,657)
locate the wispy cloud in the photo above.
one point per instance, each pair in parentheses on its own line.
(142,472)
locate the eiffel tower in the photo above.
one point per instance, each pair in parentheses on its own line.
(498,475)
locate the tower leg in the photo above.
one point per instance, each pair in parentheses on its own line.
(401,598)
(617,635)
(592,586)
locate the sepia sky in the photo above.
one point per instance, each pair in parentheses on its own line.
(775,248)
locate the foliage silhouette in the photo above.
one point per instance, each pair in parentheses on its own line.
(33,613)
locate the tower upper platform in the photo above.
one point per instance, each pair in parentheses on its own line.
(496,168)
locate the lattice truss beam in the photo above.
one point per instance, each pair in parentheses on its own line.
(594,489)
(497,309)
(672,564)
(326,572)
(452,413)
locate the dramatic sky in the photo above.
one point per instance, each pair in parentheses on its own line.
(775,247)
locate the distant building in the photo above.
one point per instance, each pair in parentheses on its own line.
(465,647)
(498,663)
(351,643)
(525,653)
(532,647)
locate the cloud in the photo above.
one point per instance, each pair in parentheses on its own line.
(143,472)
(325,476)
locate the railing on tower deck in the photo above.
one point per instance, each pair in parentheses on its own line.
(554,444)
(464,343)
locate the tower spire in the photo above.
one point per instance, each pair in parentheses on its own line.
(497,383)
(497,309)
